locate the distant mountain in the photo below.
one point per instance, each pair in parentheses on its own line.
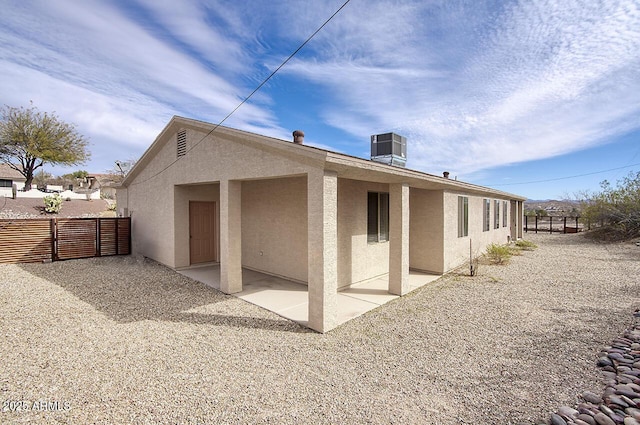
(553,207)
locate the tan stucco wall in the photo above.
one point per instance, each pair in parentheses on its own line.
(456,250)
(152,227)
(357,259)
(220,156)
(159,190)
(274,226)
(182,196)
(151,193)
(426,230)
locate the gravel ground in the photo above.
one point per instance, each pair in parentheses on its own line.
(126,340)
(21,208)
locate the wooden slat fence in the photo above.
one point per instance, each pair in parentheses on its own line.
(38,240)
(25,241)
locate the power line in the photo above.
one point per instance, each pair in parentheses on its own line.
(250,95)
(282,64)
(567,177)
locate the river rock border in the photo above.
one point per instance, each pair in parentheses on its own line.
(620,401)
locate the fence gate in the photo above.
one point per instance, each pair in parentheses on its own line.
(29,241)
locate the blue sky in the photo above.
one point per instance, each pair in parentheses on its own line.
(499,93)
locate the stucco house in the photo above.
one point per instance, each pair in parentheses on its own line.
(106,183)
(9,177)
(203,193)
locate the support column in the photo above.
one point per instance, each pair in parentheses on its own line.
(513,214)
(520,218)
(399,238)
(322,213)
(230,236)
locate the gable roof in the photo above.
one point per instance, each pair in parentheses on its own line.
(8,173)
(347,166)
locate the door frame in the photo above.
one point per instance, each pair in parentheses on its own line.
(216,233)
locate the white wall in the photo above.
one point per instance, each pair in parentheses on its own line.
(67,194)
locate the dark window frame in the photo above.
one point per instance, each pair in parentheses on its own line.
(486,212)
(463,216)
(377,217)
(505,208)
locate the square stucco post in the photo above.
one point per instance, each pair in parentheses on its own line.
(520,218)
(230,237)
(399,238)
(322,213)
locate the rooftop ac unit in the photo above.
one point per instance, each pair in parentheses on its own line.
(389,148)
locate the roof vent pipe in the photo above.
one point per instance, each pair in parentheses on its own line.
(298,137)
(445,174)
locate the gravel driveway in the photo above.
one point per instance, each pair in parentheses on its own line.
(125,340)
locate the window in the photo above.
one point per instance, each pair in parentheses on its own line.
(182,143)
(496,214)
(505,205)
(463,216)
(377,217)
(6,183)
(486,219)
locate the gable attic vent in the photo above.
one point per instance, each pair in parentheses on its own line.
(389,148)
(182,143)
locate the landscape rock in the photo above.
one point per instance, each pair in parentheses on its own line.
(633,412)
(568,412)
(602,419)
(617,400)
(591,397)
(586,418)
(620,369)
(557,420)
(605,361)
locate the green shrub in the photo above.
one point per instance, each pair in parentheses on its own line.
(616,209)
(498,254)
(112,206)
(53,203)
(525,245)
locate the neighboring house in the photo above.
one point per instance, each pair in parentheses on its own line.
(203,193)
(9,177)
(105,182)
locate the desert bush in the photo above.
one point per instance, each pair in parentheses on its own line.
(498,254)
(525,245)
(616,208)
(53,203)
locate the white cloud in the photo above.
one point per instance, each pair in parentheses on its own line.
(115,77)
(473,85)
(533,80)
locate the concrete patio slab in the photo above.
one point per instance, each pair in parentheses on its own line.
(291,299)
